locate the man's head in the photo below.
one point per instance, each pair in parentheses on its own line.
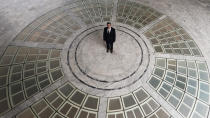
(109,24)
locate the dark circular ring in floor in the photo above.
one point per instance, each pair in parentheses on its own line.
(98,80)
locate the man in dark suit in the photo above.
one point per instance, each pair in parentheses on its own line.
(109,36)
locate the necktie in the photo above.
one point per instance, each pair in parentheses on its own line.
(109,30)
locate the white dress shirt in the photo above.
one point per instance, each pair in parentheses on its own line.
(109,30)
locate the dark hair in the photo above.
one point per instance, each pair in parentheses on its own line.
(108,23)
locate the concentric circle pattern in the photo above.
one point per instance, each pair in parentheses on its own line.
(93,66)
(90,56)
(58,66)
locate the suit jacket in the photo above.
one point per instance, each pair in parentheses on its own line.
(109,37)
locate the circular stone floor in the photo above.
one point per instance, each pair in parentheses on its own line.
(93,66)
(58,66)
(96,63)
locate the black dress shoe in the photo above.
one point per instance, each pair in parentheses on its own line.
(107,50)
(111,51)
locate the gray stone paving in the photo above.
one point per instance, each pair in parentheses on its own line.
(183,85)
(57,66)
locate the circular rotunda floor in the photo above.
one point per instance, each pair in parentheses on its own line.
(58,66)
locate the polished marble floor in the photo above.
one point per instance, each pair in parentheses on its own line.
(57,66)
